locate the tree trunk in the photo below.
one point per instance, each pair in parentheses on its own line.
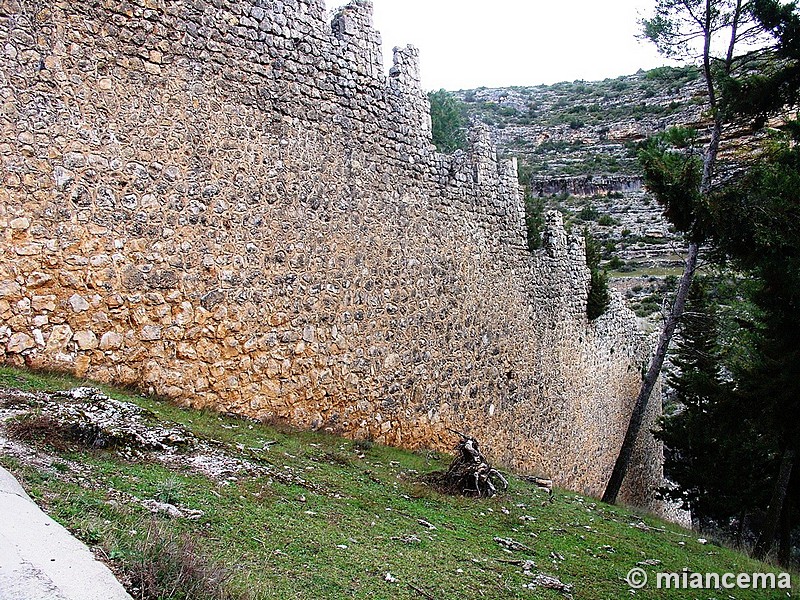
(785,544)
(649,381)
(740,529)
(767,537)
(709,164)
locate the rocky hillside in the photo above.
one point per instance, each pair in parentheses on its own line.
(576,142)
(588,128)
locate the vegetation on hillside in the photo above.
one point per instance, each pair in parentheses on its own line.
(266,512)
(590,102)
(448,121)
(592,130)
(580,127)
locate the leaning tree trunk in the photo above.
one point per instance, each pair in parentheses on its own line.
(772,520)
(649,382)
(709,164)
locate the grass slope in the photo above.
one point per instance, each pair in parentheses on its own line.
(349,514)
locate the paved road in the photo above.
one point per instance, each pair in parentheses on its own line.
(40,560)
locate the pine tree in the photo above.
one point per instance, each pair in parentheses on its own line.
(693,29)
(735,441)
(715,452)
(599,297)
(448,122)
(756,225)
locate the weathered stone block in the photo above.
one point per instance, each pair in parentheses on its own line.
(9,289)
(150,333)
(59,337)
(38,279)
(86,340)
(111,340)
(78,303)
(44,303)
(19,342)
(20,223)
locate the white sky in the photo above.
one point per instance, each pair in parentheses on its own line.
(496,43)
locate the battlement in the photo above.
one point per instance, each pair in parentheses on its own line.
(352,25)
(404,73)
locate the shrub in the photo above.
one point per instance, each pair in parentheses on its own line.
(166,566)
(363,445)
(673,74)
(647,308)
(588,213)
(41,430)
(607,220)
(170,490)
(448,121)
(609,247)
(616,263)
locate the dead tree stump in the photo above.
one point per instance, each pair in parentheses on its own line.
(471,473)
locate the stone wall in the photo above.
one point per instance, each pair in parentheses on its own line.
(228,203)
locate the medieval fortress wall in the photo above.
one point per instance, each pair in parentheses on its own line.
(229,203)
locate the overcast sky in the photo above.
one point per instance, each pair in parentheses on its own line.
(496,43)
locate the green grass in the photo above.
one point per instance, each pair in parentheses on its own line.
(357,516)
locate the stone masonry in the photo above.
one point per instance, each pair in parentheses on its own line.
(228,203)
